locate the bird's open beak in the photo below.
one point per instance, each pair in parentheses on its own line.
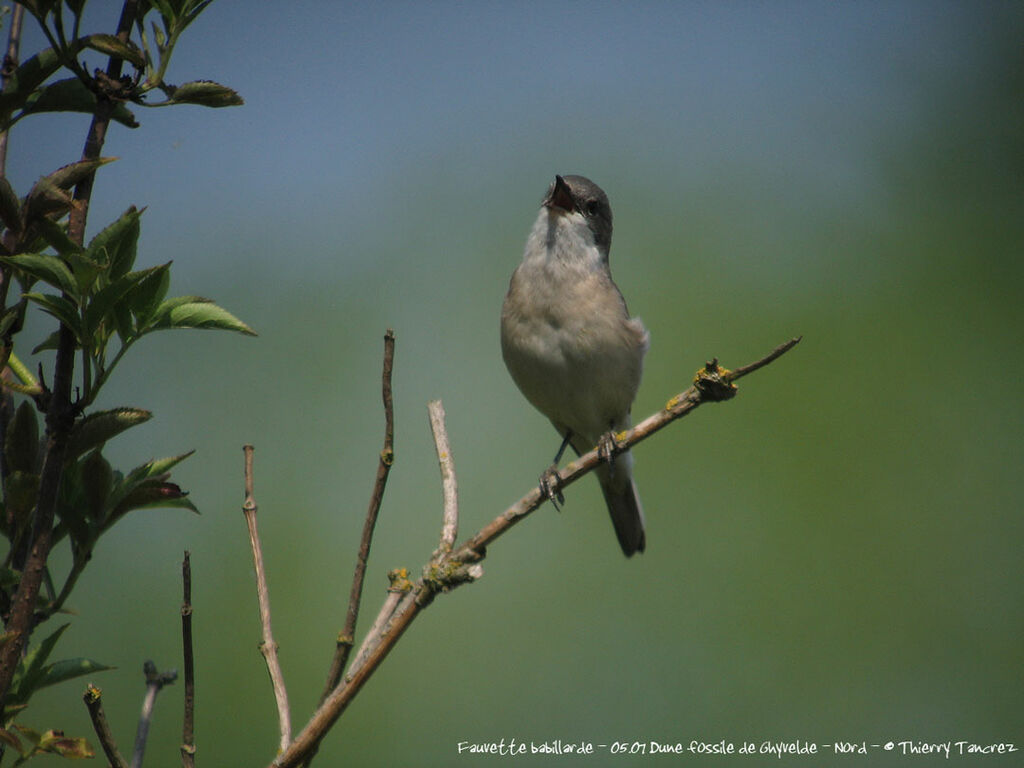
(559,196)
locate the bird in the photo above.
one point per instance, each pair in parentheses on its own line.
(572,348)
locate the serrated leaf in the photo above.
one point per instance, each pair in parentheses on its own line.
(115,245)
(21,446)
(46,267)
(197,314)
(154,468)
(62,309)
(68,175)
(103,303)
(85,271)
(112,46)
(57,238)
(146,296)
(206,93)
(72,95)
(10,206)
(96,428)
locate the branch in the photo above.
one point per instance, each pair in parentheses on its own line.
(155,681)
(268,647)
(102,727)
(60,414)
(449,485)
(188,742)
(386,459)
(10,66)
(711,384)
(447,571)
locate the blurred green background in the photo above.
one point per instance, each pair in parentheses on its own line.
(835,555)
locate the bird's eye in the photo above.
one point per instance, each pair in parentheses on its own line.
(591,208)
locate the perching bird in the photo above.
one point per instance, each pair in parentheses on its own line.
(570,344)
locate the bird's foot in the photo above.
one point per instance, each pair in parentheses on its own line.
(607,447)
(551,486)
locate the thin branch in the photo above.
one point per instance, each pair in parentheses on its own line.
(60,415)
(400,586)
(10,65)
(102,727)
(712,384)
(155,681)
(268,647)
(387,457)
(449,484)
(188,742)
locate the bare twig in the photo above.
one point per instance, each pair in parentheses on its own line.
(60,415)
(711,384)
(102,727)
(387,457)
(449,484)
(188,742)
(268,647)
(400,586)
(155,681)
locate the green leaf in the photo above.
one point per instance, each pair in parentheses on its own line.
(32,668)
(96,428)
(115,246)
(110,45)
(68,175)
(151,494)
(69,669)
(49,194)
(206,93)
(85,271)
(57,238)
(154,468)
(47,267)
(102,305)
(97,479)
(196,312)
(50,342)
(21,489)
(146,296)
(28,77)
(72,95)
(10,206)
(10,740)
(21,446)
(62,309)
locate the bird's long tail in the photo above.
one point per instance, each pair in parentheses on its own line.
(623,502)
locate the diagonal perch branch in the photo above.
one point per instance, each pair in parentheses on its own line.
(711,384)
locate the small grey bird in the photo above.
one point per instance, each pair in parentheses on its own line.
(570,344)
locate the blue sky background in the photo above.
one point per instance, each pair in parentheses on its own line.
(835,554)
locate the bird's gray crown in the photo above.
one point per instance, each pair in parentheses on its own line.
(580,194)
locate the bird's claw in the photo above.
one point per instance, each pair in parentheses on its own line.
(607,447)
(551,486)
